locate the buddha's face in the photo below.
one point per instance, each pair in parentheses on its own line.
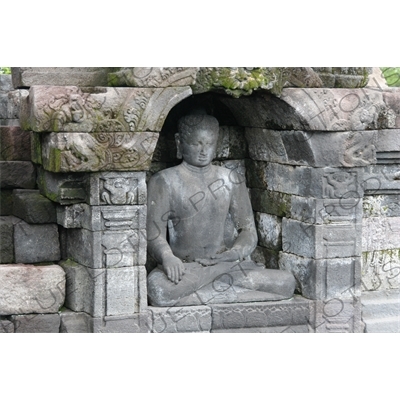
(199,148)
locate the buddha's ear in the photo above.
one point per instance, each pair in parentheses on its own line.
(178,146)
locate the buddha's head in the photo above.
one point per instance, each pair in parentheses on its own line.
(197,139)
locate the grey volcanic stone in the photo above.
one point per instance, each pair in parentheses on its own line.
(17,174)
(36,323)
(15,144)
(36,243)
(58,76)
(33,208)
(180,319)
(135,323)
(7,239)
(6,202)
(27,289)
(6,326)
(74,322)
(269,229)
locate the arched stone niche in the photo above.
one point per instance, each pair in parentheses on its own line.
(308,150)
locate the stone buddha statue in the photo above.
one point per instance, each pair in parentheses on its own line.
(188,207)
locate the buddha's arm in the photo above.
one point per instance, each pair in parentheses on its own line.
(243,218)
(157,219)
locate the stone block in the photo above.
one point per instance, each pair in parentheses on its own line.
(126,290)
(381,270)
(36,323)
(27,289)
(101,292)
(85,289)
(104,110)
(381,179)
(102,218)
(381,304)
(260,315)
(180,319)
(5,83)
(321,241)
(387,205)
(60,76)
(388,141)
(381,233)
(326,211)
(270,202)
(6,202)
(36,243)
(153,76)
(15,144)
(117,188)
(73,322)
(10,104)
(63,188)
(269,229)
(6,326)
(266,145)
(7,239)
(231,143)
(337,316)
(92,152)
(17,174)
(256,172)
(136,323)
(33,208)
(269,258)
(320,183)
(391,99)
(273,329)
(109,249)
(323,279)
(36,148)
(340,109)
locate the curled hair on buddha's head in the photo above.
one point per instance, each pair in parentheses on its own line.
(196,121)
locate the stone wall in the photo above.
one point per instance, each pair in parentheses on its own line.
(320,155)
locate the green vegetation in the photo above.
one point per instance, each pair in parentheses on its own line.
(5,70)
(392,75)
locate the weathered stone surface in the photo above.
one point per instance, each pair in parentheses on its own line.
(180,319)
(231,143)
(267,201)
(272,329)
(153,77)
(6,326)
(376,79)
(36,243)
(86,152)
(85,289)
(391,98)
(27,289)
(74,322)
(267,257)
(382,205)
(381,233)
(323,279)
(5,83)
(63,188)
(325,211)
(269,229)
(319,183)
(33,208)
(348,149)
(321,241)
(117,188)
(73,109)
(388,140)
(109,249)
(7,239)
(17,174)
(255,315)
(6,202)
(256,174)
(60,76)
(337,316)
(381,270)
(101,292)
(15,144)
(340,109)
(10,103)
(136,323)
(382,179)
(102,218)
(36,323)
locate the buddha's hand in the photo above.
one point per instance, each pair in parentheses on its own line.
(227,256)
(173,268)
